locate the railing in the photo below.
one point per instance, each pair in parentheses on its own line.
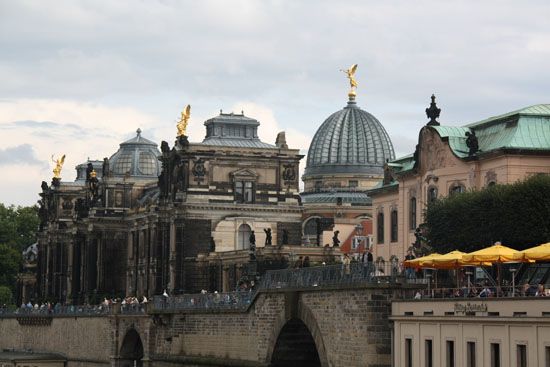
(133,309)
(329,276)
(77,310)
(309,277)
(207,301)
(475,292)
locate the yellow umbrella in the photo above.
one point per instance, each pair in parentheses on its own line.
(421,262)
(537,253)
(494,254)
(451,260)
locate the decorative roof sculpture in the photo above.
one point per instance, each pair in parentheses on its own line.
(184,119)
(349,141)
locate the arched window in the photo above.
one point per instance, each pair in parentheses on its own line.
(456,189)
(243,238)
(380,228)
(412,213)
(432,194)
(311,227)
(393,220)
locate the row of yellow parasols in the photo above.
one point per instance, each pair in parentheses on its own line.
(484,257)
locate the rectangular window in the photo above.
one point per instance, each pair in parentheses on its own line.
(522,355)
(470,354)
(547,356)
(412,214)
(380,228)
(450,353)
(244,191)
(408,353)
(318,186)
(495,355)
(428,353)
(394,229)
(353,184)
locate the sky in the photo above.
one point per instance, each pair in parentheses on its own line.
(79,77)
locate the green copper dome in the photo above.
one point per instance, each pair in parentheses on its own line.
(350,141)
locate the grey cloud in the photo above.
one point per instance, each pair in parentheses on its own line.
(20,154)
(159,55)
(50,128)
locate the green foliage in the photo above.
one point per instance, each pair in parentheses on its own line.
(518,215)
(18,226)
(6,297)
(10,262)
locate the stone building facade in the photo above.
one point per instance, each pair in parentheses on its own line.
(179,219)
(449,160)
(346,158)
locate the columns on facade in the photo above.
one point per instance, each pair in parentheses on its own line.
(129,268)
(69,275)
(225,279)
(172,261)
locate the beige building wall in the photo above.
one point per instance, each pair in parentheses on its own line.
(507,322)
(439,168)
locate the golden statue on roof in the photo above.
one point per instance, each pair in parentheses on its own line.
(58,166)
(352,81)
(182,123)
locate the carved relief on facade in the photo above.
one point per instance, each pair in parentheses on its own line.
(434,152)
(490,178)
(472,177)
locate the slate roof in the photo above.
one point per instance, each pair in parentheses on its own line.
(233,130)
(237,142)
(353,198)
(349,141)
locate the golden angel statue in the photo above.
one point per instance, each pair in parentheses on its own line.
(58,165)
(351,76)
(182,123)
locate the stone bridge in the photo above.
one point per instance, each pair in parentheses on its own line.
(345,325)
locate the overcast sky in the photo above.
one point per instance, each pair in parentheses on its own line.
(79,77)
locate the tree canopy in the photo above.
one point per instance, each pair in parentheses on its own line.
(518,215)
(18,226)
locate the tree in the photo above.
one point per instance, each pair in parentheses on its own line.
(18,226)
(518,215)
(6,296)
(10,262)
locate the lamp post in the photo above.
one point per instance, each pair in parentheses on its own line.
(513,270)
(429,276)
(468,273)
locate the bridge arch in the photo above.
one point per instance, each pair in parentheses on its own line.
(297,341)
(131,350)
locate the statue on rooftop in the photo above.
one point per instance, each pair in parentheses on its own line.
(472,143)
(268,238)
(351,76)
(58,166)
(184,119)
(335,240)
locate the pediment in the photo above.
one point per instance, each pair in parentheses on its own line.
(244,173)
(434,152)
